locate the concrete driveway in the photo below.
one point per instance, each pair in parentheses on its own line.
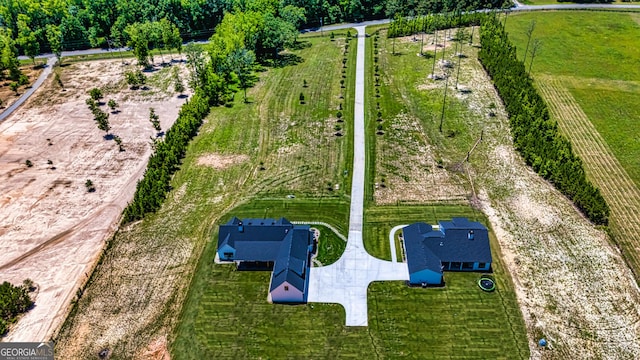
(346,281)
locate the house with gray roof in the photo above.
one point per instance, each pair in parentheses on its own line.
(274,244)
(456,245)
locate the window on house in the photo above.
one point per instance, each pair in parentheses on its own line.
(286,288)
(467,266)
(228,255)
(482,265)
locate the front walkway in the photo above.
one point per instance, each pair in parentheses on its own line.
(346,281)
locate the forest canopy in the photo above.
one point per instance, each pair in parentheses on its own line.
(80,24)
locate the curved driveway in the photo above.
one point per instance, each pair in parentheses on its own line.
(346,281)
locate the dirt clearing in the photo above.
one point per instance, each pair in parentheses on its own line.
(573,287)
(51,227)
(219,161)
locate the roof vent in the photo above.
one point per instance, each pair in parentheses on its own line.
(441,243)
(470,236)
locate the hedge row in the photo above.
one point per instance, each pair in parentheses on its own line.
(535,135)
(152,189)
(429,23)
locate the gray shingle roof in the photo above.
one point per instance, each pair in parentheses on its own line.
(280,241)
(426,248)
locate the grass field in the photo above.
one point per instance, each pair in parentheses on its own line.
(272,147)
(556,2)
(227,316)
(594,94)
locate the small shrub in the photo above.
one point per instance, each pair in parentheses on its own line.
(96,94)
(23,80)
(342,83)
(301,98)
(304,83)
(332,36)
(340,106)
(112,104)
(89,185)
(14,87)
(28,163)
(339,114)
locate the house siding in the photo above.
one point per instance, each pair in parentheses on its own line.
(293,295)
(425,276)
(226,249)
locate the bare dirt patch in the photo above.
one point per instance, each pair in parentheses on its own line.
(219,161)
(573,286)
(51,228)
(408,169)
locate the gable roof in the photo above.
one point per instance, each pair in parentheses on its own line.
(418,256)
(426,248)
(254,239)
(291,265)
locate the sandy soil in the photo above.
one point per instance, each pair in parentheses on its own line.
(51,229)
(573,287)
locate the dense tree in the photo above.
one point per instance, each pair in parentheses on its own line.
(535,134)
(27,38)
(54,37)
(14,300)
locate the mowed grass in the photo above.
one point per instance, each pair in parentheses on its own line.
(227,314)
(588,73)
(147,269)
(581,43)
(330,246)
(618,122)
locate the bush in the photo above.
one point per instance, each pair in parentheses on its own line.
(301,98)
(135,79)
(14,300)
(96,94)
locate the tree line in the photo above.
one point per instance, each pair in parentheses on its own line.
(535,135)
(152,189)
(402,26)
(14,300)
(77,24)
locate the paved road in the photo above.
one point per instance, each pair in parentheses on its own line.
(43,75)
(346,281)
(521,7)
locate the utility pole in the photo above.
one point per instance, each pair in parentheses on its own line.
(321,32)
(459,56)
(435,54)
(444,100)
(421,43)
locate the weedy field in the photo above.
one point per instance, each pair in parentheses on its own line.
(587,71)
(554,255)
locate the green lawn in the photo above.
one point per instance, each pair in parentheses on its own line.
(330,246)
(598,53)
(581,43)
(227,315)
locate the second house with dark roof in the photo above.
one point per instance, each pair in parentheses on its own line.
(273,244)
(457,245)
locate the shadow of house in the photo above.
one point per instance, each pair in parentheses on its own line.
(457,245)
(265,244)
